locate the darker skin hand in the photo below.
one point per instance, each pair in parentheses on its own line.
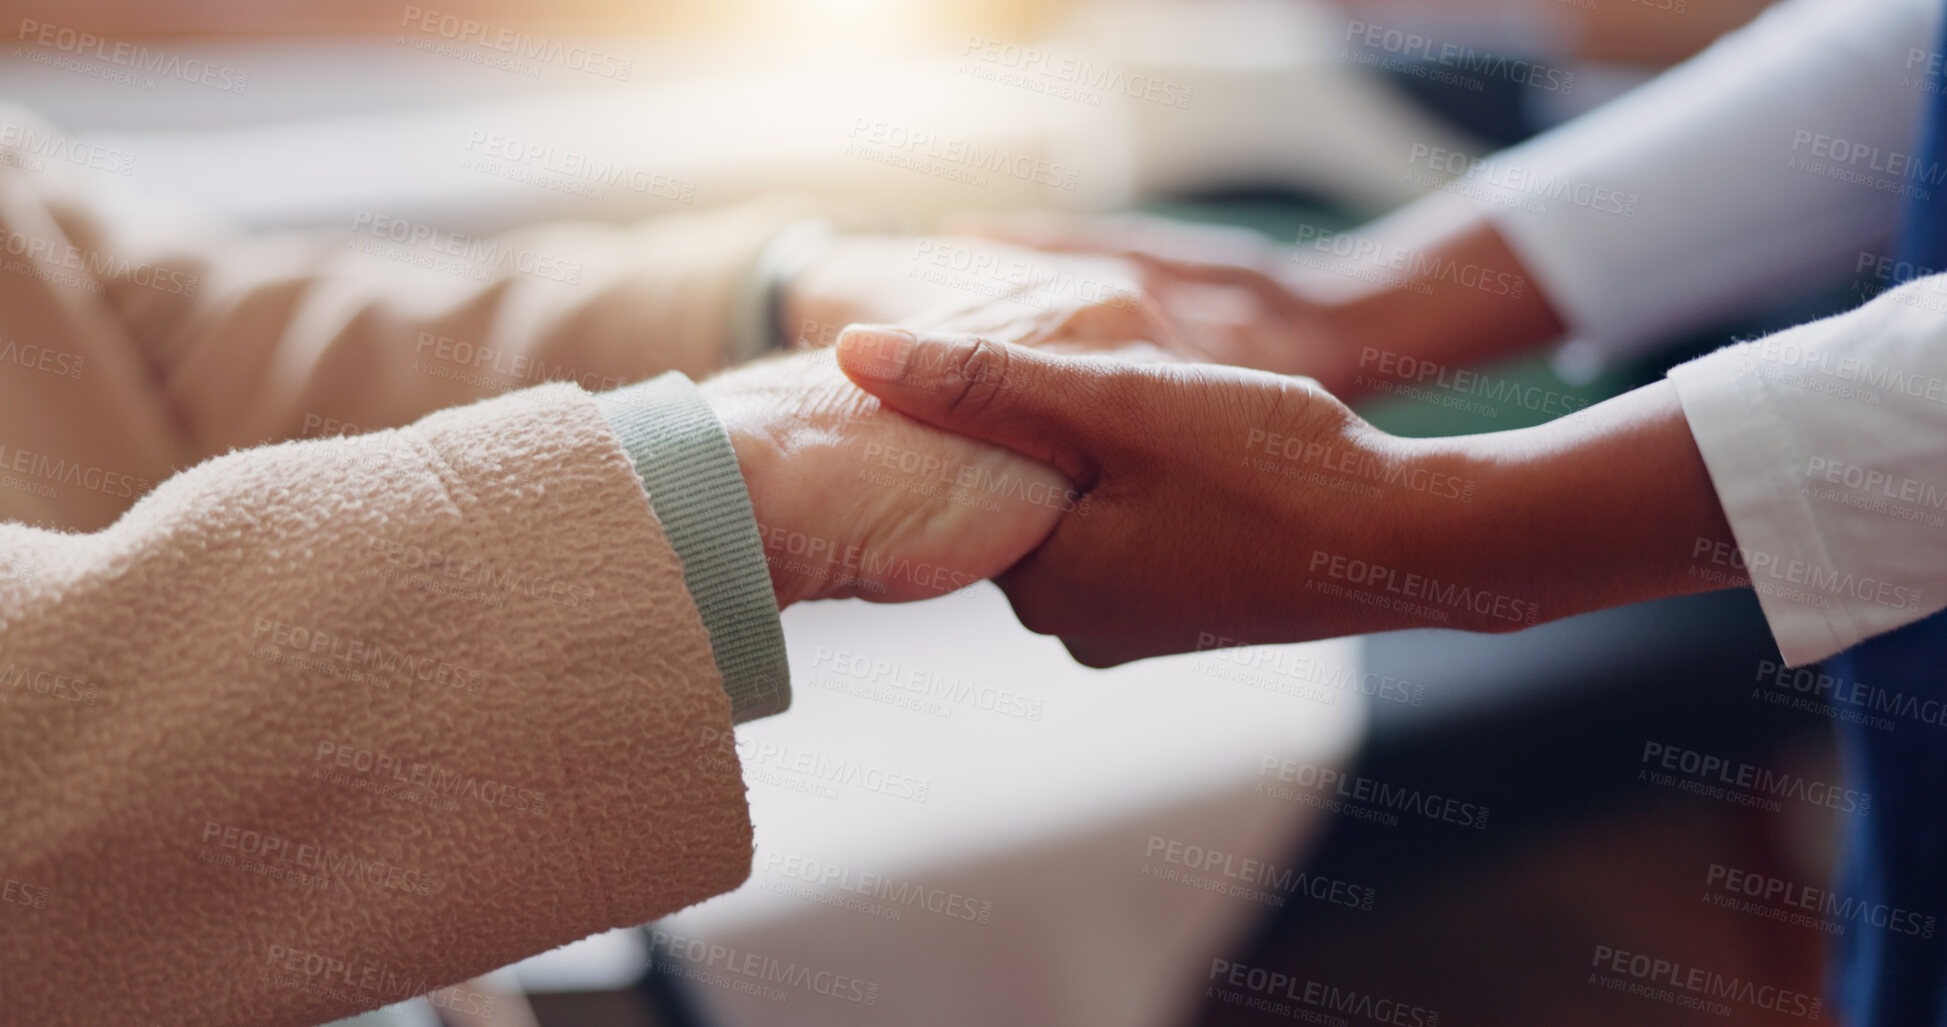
(1225,506)
(1196,531)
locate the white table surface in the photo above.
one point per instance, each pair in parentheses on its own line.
(1048,827)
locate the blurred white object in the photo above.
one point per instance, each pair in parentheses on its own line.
(1275,102)
(1019,856)
(1145,99)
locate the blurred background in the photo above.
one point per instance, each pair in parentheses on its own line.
(1069,846)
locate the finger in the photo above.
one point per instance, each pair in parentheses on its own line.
(1041,231)
(1051,407)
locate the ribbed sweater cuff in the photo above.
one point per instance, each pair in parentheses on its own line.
(687,466)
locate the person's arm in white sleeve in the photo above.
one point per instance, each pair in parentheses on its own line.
(1776,159)
(1743,173)
(1778,156)
(1810,464)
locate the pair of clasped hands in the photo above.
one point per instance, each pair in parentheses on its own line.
(1057,434)
(1117,438)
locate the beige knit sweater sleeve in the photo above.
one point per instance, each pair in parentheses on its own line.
(325,725)
(319,726)
(136,341)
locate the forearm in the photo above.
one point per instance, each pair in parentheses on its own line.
(1611,506)
(237,339)
(1433,282)
(1701,196)
(1686,201)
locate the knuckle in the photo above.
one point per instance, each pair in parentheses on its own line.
(982,372)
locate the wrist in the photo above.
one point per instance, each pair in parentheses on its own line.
(761,460)
(852,279)
(1467,528)
(782,264)
(1424,545)
(1605,507)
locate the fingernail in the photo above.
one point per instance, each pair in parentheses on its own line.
(876,352)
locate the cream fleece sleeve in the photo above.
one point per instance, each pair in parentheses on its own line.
(319,726)
(134,343)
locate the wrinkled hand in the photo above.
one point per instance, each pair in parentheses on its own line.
(1227,295)
(856,501)
(1222,506)
(1031,297)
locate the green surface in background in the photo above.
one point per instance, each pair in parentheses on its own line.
(1514,393)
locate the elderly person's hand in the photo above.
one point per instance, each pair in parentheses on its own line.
(853,500)
(1071,302)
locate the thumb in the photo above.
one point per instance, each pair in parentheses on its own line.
(1036,403)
